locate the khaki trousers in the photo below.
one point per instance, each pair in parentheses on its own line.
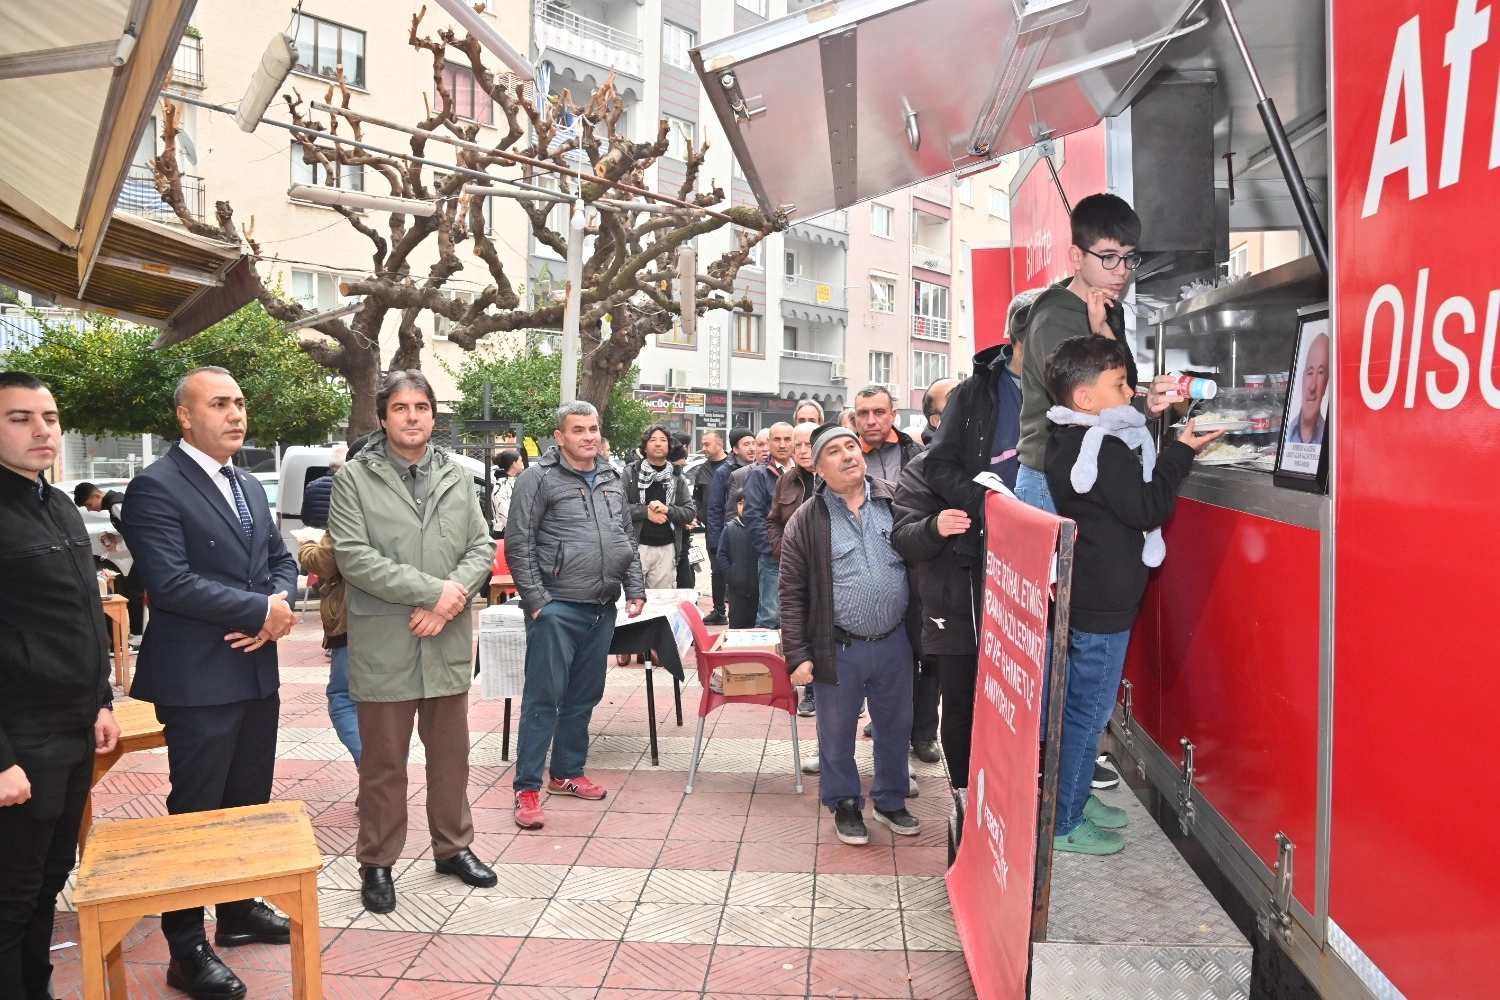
(385,737)
(659,566)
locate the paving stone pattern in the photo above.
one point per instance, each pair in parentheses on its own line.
(739,890)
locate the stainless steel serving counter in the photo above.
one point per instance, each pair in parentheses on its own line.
(1253,492)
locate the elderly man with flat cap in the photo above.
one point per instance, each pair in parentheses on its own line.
(845,601)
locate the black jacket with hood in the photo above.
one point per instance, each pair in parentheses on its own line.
(945,587)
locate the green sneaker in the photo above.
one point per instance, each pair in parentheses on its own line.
(1104,817)
(1087,838)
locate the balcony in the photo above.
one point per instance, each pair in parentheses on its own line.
(830,229)
(932,258)
(187,64)
(814,293)
(931,327)
(938,192)
(139,196)
(564,30)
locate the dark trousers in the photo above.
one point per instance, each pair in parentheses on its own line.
(925,693)
(38,839)
(958,676)
(742,608)
(133,590)
(218,757)
(880,673)
(717,576)
(686,578)
(566,650)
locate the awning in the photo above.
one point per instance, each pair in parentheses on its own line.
(850,99)
(71,119)
(145,273)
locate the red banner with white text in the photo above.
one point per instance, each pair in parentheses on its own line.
(990,884)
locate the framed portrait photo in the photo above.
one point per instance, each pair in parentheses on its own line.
(1302,454)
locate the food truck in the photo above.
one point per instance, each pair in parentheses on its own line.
(1311,686)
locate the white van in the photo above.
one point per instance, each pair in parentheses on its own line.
(301,464)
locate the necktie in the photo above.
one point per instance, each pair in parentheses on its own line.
(246,521)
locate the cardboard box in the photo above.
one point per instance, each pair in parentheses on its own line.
(747,678)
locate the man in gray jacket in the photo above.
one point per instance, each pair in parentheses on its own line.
(571,546)
(412,546)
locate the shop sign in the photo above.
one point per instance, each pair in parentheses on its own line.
(1040,231)
(825,295)
(990,884)
(671,402)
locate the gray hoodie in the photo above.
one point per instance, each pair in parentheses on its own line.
(567,541)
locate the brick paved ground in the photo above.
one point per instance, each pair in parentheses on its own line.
(738,890)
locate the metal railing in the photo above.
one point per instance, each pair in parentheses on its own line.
(810,356)
(932,258)
(931,327)
(815,293)
(187,64)
(139,196)
(836,221)
(597,42)
(939,192)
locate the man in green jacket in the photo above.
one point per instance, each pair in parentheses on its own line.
(412,546)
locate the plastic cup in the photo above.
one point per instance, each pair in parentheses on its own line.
(1192,387)
(1255,381)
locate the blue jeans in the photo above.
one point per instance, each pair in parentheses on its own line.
(880,673)
(768,614)
(1095,664)
(1033,490)
(341,710)
(566,649)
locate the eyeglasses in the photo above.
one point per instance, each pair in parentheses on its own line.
(1111,261)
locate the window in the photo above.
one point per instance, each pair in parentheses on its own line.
(680,136)
(469,98)
(441,325)
(930,311)
(999,204)
(789,340)
(966,192)
(348,176)
(1239,261)
(753,6)
(323,46)
(319,291)
(927,367)
(793,264)
(675,42)
(675,337)
(882,294)
(747,334)
(881,219)
(735,168)
(880,367)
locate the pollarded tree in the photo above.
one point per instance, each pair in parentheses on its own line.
(628,274)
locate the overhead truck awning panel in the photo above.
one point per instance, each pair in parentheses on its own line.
(852,98)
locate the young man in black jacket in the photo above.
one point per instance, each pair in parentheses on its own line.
(55,697)
(1105,487)
(739,561)
(128,585)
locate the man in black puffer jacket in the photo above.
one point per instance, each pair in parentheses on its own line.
(317,494)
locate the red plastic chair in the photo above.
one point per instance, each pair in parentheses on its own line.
(500,578)
(783,696)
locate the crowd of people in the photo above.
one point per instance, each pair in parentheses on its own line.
(863,547)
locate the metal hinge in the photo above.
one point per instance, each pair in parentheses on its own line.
(1279,919)
(1186,811)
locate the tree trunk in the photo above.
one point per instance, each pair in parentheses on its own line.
(362,372)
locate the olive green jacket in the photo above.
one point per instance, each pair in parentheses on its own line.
(395,557)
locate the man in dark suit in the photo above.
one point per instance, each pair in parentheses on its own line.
(217,574)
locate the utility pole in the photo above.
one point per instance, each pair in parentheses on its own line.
(571,309)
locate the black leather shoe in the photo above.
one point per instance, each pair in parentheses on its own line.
(926,751)
(716,618)
(469,869)
(202,976)
(262,925)
(377,891)
(848,824)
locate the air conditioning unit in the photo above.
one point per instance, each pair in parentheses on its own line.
(894,390)
(678,378)
(838,371)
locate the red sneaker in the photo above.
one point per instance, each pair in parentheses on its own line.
(529,815)
(579,786)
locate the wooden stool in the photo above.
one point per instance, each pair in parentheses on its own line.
(501,586)
(132,868)
(139,730)
(117,610)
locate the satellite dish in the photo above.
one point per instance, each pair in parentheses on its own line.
(187,147)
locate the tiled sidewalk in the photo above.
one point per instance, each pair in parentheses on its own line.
(739,890)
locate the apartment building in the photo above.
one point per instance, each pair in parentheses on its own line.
(309,249)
